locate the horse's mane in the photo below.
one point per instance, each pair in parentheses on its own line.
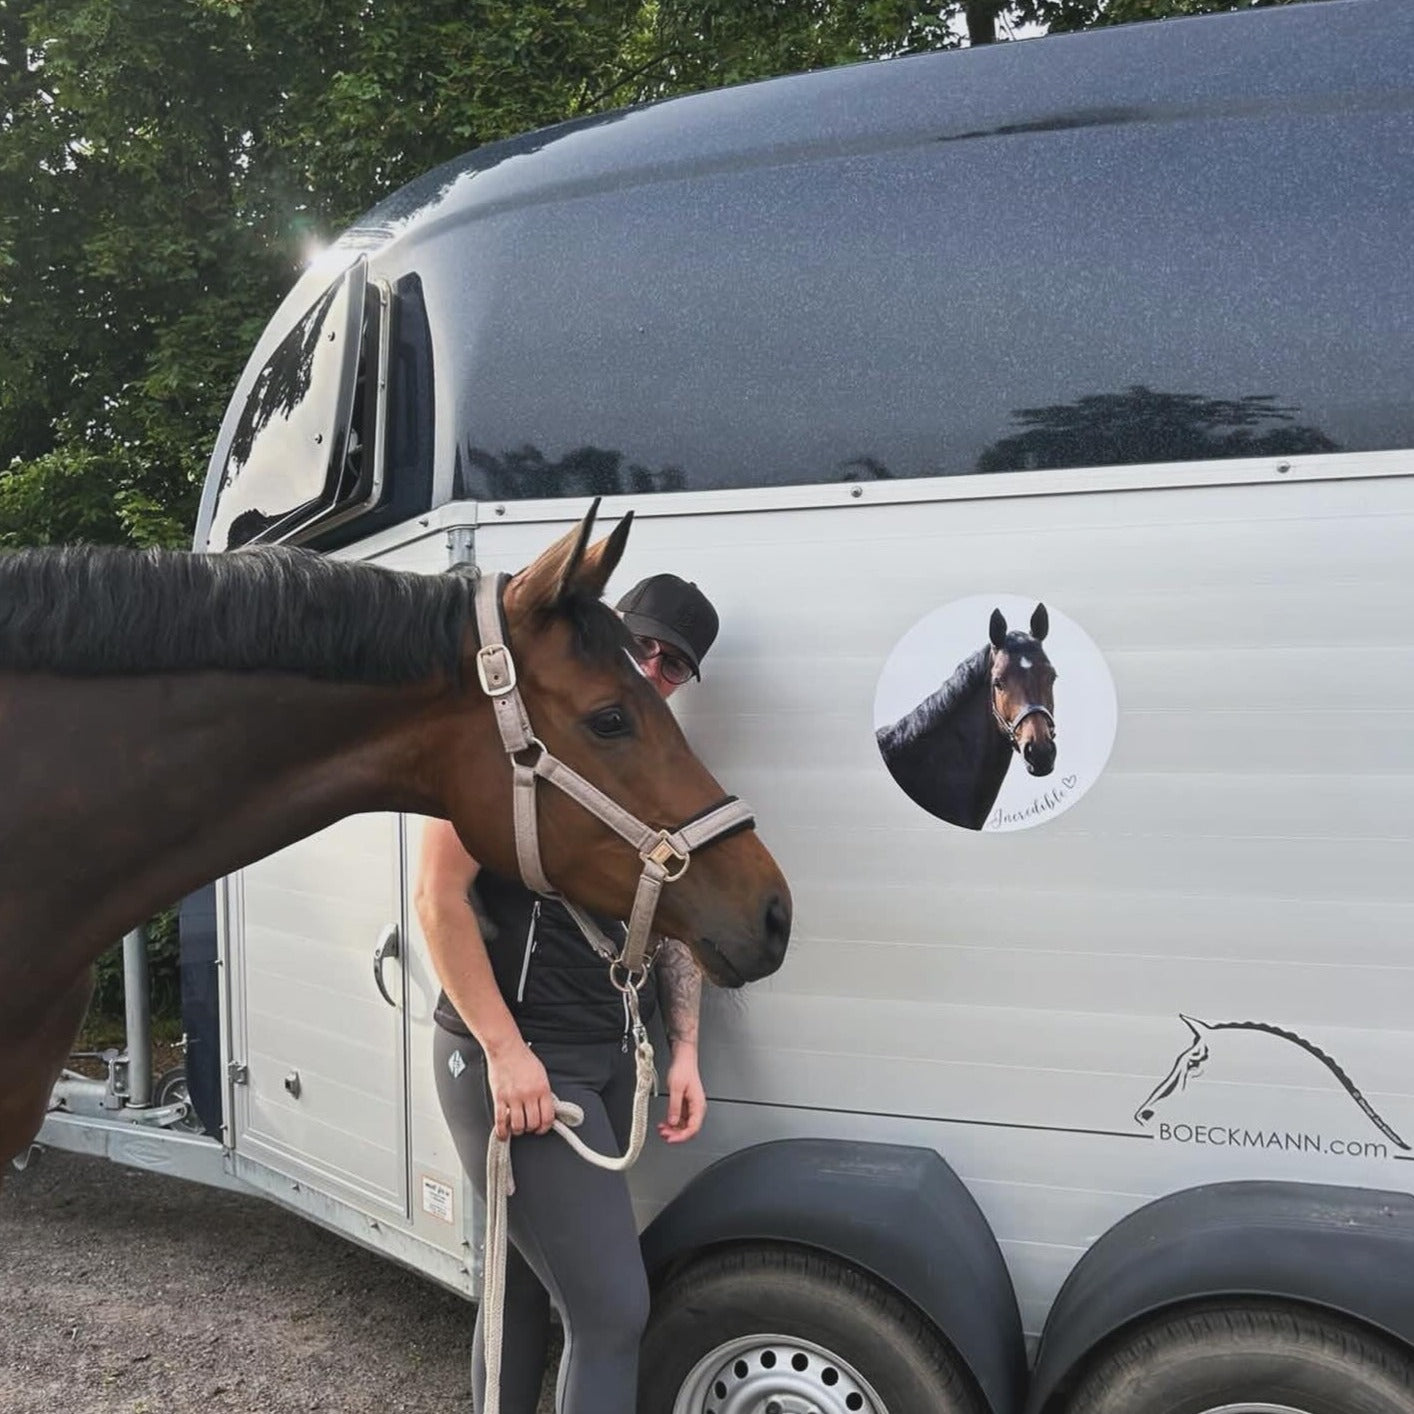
(1330,1063)
(88,611)
(967,675)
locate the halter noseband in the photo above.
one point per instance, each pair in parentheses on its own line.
(1010,728)
(666,854)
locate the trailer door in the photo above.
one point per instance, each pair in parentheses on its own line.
(319,1054)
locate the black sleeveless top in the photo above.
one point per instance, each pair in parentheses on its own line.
(556,985)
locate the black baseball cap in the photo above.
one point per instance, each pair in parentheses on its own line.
(674,611)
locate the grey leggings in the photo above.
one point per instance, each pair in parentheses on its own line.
(573,1238)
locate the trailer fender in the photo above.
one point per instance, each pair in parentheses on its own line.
(899,1213)
(1347,1250)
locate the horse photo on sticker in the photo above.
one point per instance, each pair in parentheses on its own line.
(995,712)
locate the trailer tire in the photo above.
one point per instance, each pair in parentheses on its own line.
(758,1321)
(1257,1356)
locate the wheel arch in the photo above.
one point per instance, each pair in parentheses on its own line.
(898,1213)
(1344,1251)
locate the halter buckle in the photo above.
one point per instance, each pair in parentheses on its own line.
(665,853)
(496,669)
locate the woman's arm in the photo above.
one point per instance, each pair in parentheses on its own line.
(679,986)
(520,1089)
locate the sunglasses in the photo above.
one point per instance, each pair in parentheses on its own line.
(673,667)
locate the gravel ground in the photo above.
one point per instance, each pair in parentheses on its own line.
(124,1292)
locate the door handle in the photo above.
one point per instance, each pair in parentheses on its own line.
(389,945)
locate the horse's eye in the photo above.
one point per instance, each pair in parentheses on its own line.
(609,723)
(998,684)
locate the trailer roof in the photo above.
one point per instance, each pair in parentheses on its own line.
(1159,72)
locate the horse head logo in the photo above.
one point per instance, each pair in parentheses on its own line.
(1022,685)
(1187,1065)
(1193,1058)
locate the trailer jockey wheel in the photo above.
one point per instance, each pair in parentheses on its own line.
(793,1331)
(1248,1358)
(171,1086)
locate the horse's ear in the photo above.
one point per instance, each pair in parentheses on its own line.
(572,564)
(1194,1025)
(540,584)
(1040,623)
(996,630)
(598,562)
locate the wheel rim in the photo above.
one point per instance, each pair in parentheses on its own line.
(776,1374)
(1255,1409)
(173,1087)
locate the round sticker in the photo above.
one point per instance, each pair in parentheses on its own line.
(995,713)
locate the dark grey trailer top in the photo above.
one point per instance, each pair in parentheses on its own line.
(1162,242)
(1303,57)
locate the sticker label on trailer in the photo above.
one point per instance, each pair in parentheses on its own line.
(1013,734)
(437,1199)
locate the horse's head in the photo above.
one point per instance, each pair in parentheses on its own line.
(1023,690)
(591,706)
(1188,1065)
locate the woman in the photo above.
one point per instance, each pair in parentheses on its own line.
(528,1015)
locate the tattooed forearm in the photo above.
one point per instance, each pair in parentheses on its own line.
(679,990)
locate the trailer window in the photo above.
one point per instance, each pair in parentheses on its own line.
(1110,294)
(286,459)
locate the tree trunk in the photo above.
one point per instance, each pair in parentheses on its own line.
(982,20)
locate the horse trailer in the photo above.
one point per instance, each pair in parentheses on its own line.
(1039,419)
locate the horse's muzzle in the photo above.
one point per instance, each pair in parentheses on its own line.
(1040,756)
(735,962)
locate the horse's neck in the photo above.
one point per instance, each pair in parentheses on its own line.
(958,699)
(951,754)
(152,785)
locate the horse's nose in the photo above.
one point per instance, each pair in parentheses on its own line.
(1040,757)
(777,929)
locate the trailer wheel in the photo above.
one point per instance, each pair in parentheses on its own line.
(1249,1359)
(786,1329)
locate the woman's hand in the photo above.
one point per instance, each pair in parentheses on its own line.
(521,1097)
(687,1100)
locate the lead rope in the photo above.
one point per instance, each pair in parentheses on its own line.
(500,1184)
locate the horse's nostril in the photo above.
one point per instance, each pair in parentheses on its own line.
(1040,757)
(778,925)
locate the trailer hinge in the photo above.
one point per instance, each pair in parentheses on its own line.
(461,546)
(238,1073)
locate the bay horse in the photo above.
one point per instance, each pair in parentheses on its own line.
(951,753)
(166,718)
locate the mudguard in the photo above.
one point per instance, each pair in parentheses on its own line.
(1347,1250)
(899,1213)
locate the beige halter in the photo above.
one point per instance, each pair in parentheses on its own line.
(665,853)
